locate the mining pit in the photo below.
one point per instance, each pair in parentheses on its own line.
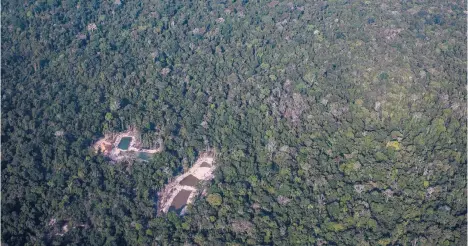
(125,145)
(183,189)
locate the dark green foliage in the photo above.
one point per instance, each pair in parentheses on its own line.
(339,122)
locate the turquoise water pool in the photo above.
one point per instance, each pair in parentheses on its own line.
(125,143)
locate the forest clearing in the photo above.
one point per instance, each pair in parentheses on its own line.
(118,146)
(183,189)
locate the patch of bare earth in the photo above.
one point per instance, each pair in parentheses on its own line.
(183,189)
(109,145)
(62,227)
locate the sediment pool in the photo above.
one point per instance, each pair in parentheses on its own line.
(180,199)
(205,164)
(144,156)
(190,181)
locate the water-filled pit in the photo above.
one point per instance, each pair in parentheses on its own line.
(125,143)
(180,199)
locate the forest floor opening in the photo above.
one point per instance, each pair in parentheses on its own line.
(125,145)
(183,189)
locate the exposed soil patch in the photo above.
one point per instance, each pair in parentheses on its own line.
(190,181)
(124,145)
(181,199)
(62,227)
(202,170)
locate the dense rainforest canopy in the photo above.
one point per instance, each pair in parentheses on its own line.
(334,122)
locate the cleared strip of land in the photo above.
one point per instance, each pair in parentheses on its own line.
(176,191)
(118,146)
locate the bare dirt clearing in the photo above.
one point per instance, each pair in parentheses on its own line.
(174,193)
(125,145)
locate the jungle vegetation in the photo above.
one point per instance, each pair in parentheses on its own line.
(335,122)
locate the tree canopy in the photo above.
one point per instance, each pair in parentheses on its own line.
(334,122)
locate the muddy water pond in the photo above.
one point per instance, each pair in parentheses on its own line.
(180,199)
(125,143)
(190,181)
(205,164)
